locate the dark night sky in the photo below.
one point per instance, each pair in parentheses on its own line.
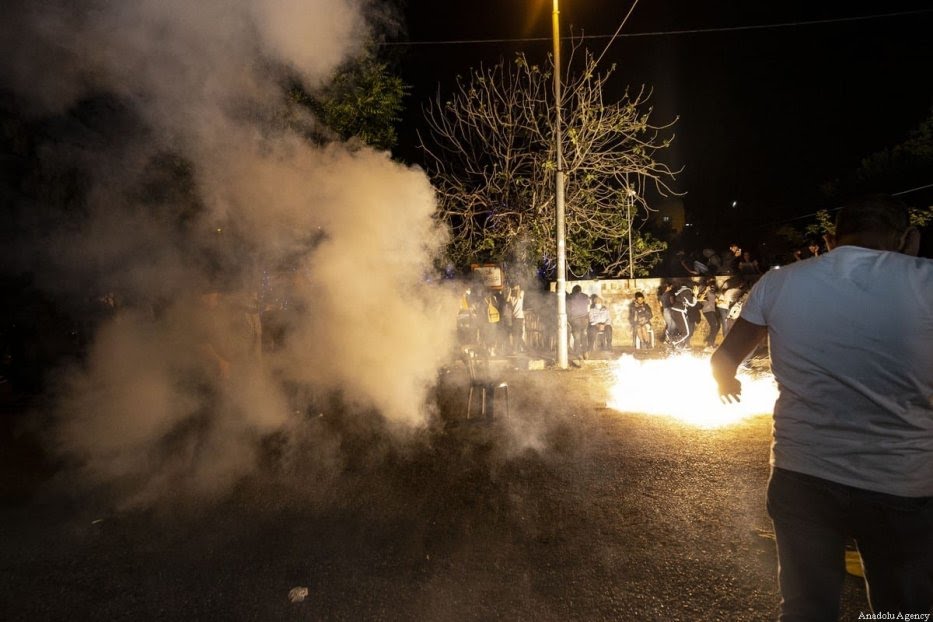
(766,115)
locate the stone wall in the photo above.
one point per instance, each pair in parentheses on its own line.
(617,295)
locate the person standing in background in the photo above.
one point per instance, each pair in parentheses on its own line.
(491,317)
(731,258)
(729,302)
(684,299)
(600,324)
(666,300)
(710,312)
(639,317)
(578,316)
(516,299)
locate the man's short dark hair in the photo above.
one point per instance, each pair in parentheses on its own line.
(576,289)
(639,295)
(877,214)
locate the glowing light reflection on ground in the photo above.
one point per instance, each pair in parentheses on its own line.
(682,387)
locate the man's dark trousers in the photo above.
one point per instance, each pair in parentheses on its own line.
(813,520)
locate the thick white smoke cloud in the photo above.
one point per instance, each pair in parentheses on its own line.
(176,393)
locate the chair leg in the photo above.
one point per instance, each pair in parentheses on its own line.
(507,411)
(470,402)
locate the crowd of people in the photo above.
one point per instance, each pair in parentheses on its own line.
(735,261)
(685,303)
(494,319)
(589,321)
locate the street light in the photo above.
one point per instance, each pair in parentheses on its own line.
(562,361)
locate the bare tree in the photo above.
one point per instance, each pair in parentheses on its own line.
(492,158)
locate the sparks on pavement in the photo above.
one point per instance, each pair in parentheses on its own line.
(682,387)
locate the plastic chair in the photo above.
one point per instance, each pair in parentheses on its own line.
(599,339)
(648,343)
(482,380)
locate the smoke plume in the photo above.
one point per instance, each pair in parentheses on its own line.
(206,207)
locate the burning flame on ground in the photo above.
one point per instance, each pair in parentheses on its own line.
(682,387)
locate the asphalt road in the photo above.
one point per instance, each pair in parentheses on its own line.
(565,510)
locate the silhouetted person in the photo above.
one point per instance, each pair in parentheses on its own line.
(666,300)
(578,316)
(731,258)
(516,299)
(710,313)
(749,268)
(490,313)
(639,317)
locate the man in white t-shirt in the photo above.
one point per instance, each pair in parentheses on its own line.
(600,323)
(851,341)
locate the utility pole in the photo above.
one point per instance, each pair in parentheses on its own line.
(629,200)
(562,361)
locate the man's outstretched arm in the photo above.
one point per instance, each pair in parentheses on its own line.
(741,341)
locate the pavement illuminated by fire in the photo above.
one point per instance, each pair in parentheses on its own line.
(683,388)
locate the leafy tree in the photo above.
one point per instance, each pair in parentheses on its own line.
(492,157)
(363,101)
(826,223)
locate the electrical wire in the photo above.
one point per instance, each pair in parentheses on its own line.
(616,33)
(689,31)
(835,209)
(902,192)
(663,33)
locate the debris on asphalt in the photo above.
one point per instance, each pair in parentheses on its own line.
(297,594)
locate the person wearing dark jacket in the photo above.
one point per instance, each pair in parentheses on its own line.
(666,299)
(578,316)
(684,299)
(639,317)
(710,312)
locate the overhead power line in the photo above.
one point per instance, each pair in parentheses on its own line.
(618,31)
(667,33)
(834,209)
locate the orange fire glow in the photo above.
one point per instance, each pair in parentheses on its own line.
(683,388)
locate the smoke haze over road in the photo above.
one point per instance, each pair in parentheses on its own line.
(196,181)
